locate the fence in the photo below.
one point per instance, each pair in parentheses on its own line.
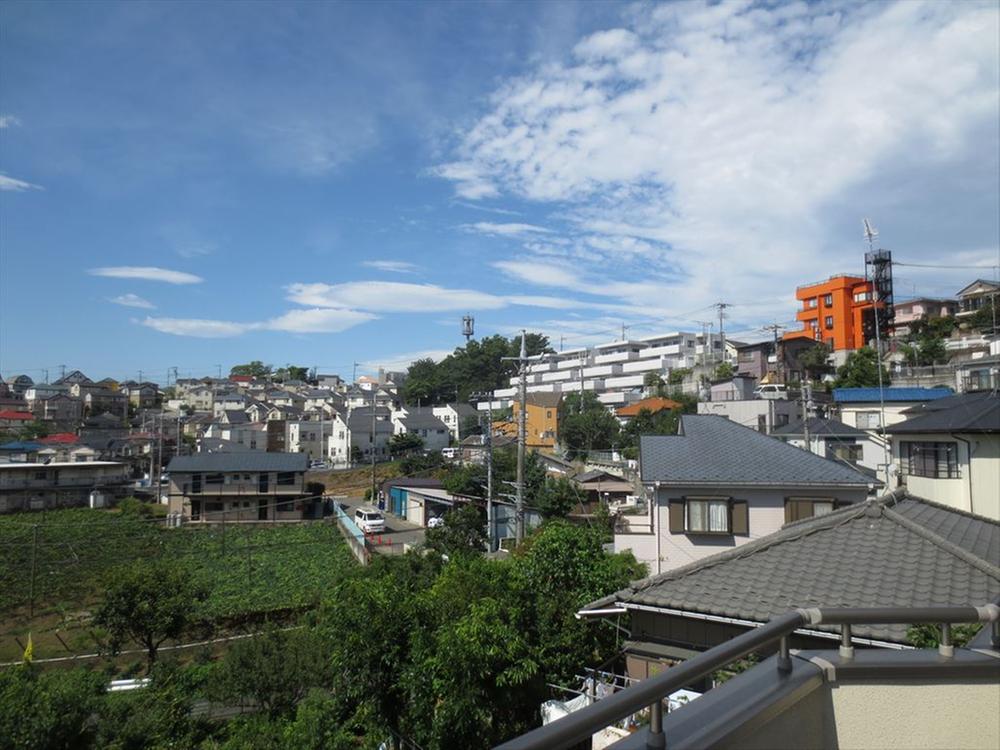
(355,537)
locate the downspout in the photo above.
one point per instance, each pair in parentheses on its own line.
(968,452)
(656,524)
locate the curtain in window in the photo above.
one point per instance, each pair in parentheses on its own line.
(719,516)
(697,516)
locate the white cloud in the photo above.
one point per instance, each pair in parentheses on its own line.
(196,327)
(404,360)
(392,296)
(15,185)
(728,150)
(147,273)
(393,266)
(132,300)
(8,121)
(314,320)
(505,230)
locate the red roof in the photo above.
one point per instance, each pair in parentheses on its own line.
(241,378)
(26,416)
(652,405)
(62,438)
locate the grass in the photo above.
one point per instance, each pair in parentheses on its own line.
(249,569)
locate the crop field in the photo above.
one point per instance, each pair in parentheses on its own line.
(52,566)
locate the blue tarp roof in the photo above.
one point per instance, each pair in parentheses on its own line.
(20,446)
(890,394)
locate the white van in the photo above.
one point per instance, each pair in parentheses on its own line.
(771,390)
(369,520)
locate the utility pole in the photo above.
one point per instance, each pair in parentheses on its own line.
(355,378)
(706,338)
(779,365)
(62,371)
(522,359)
(490,523)
(374,489)
(721,306)
(806,399)
(219,370)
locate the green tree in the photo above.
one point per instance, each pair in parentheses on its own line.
(463,532)
(653,383)
(926,635)
(466,479)
(677,375)
(48,710)
(924,344)
(861,370)
(724,371)
(471,426)
(256,369)
(157,716)
(317,725)
(272,671)
(815,361)
(35,429)
(558,496)
(356,454)
(984,320)
(291,372)
(148,603)
(404,442)
(586,425)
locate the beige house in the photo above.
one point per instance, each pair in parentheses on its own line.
(243,486)
(950,450)
(718,485)
(36,486)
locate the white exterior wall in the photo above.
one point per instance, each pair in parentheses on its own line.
(977,487)
(305,437)
(872,455)
(776,412)
(765,513)
(893,412)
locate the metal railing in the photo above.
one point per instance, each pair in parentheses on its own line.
(650,693)
(44,484)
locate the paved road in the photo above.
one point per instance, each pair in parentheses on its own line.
(398,532)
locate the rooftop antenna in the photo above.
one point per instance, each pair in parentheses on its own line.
(468,327)
(871,234)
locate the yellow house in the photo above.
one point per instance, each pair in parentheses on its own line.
(541,420)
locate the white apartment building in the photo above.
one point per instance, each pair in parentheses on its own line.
(615,371)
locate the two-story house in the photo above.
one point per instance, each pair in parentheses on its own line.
(424,425)
(354,431)
(718,484)
(244,486)
(59,484)
(949,449)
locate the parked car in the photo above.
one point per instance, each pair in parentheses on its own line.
(771,390)
(369,520)
(318,466)
(435,523)
(450,452)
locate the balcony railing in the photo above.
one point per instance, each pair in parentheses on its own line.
(43,484)
(651,693)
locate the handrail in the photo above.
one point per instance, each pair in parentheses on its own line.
(649,693)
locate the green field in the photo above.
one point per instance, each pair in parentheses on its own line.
(52,566)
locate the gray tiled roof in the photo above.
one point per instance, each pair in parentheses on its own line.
(967,412)
(422,421)
(819,427)
(897,551)
(244,461)
(713,450)
(234,416)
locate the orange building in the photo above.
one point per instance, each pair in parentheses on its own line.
(541,422)
(837,312)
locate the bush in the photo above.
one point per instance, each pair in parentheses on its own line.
(47,710)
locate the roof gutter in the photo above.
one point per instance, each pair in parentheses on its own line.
(756,624)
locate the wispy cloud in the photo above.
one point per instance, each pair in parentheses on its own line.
(402,361)
(314,320)
(392,296)
(393,266)
(512,229)
(15,185)
(8,121)
(736,146)
(487,209)
(147,273)
(132,300)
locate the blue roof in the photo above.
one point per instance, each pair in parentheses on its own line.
(19,446)
(890,394)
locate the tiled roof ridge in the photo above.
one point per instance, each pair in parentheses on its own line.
(949,547)
(902,494)
(805,527)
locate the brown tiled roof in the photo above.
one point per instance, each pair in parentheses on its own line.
(653,405)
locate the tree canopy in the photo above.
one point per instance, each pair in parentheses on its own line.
(477,366)
(256,369)
(586,425)
(861,370)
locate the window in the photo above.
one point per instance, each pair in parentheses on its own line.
(828,300)
(847,452)
(707,516)
(214,479)
(548,414)
(811,303)
(209,506)
(828,322)
(931,460)
(286,478)
(867,420)
(798,508)
(863,297)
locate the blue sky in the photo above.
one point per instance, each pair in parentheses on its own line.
(199,184)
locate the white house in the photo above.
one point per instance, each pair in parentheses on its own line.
(250,436)
(426,426)
(354,430)
(862,407)
(950,450)
(716,485)
(836,440)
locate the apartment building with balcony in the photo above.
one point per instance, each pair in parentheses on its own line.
(239,486)
(59,484)
(616,370)
(837,312)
